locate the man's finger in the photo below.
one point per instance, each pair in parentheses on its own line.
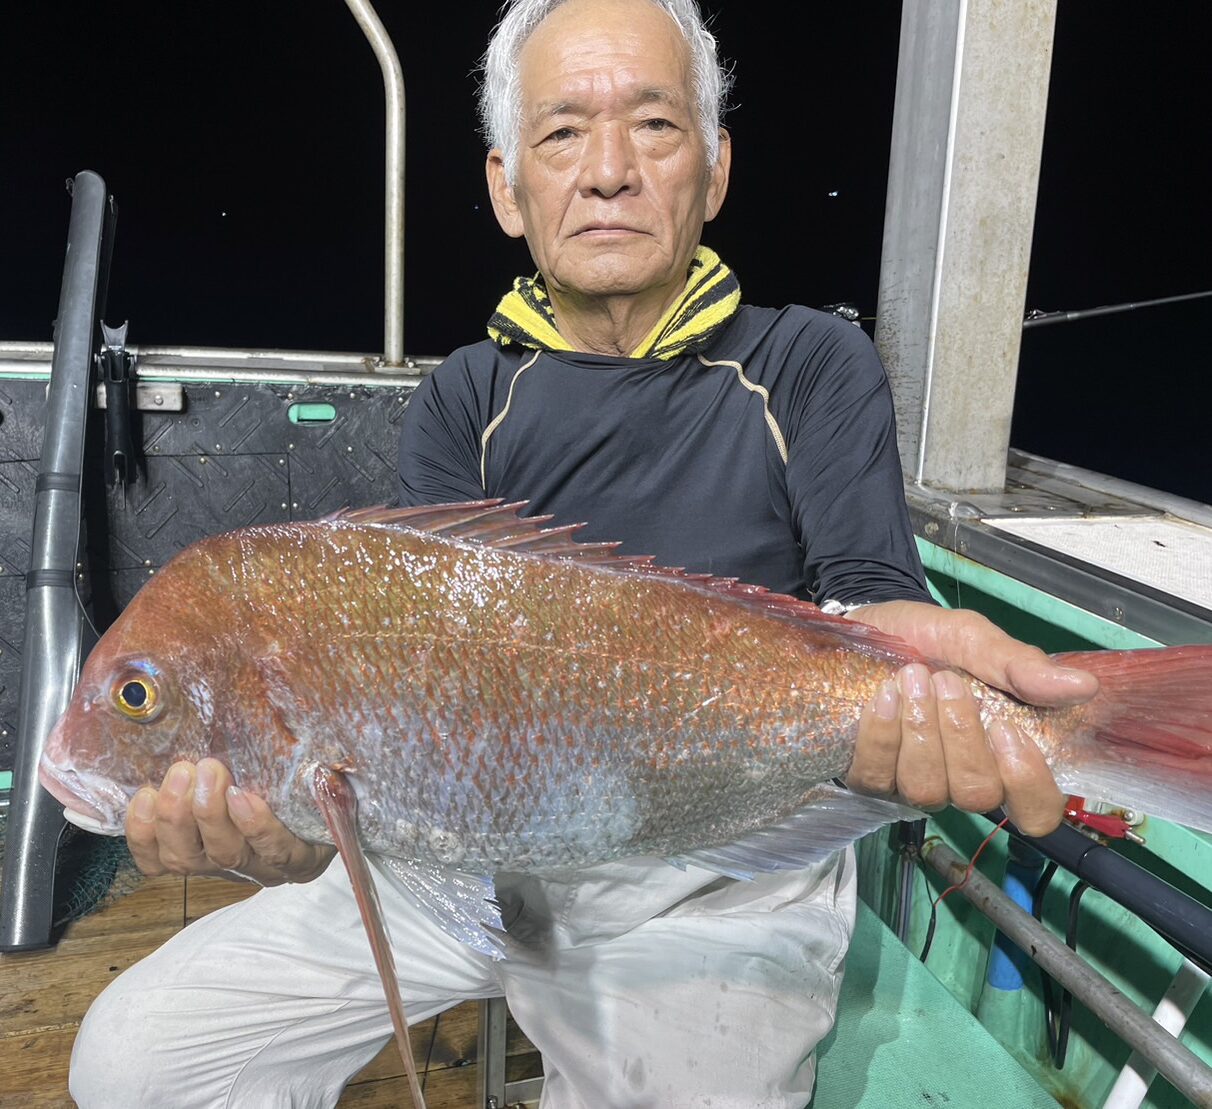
(873,770)
(276,846)
(1033,801)
(921,769)
(223,843)
(973,781)
(141,833)
(973,643)
(180,843)
(979,646)
(1046,682)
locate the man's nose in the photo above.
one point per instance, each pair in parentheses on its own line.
(608,162)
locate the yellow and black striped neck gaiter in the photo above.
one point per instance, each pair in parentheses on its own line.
(711,296)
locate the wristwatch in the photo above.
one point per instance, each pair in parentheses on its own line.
(840,608)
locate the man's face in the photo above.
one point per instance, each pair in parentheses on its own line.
(612,185)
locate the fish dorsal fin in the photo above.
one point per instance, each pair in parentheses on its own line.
(491,523)
(497,524)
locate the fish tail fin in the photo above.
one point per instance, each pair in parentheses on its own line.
(339,805)
(1147,738)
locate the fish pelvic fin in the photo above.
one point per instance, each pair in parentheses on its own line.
(462,905)
(339,805)
(496,524)
(831,818)
(1147,736)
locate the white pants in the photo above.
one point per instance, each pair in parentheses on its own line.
(641,986)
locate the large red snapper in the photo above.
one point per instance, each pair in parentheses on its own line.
(500,698)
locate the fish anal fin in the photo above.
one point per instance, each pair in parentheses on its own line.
(830,818)
(339,805)
(494,523)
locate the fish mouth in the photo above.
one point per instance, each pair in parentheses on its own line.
(89,801)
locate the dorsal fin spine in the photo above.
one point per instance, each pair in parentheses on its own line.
(495,524)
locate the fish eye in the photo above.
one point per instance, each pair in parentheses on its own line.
(136,696)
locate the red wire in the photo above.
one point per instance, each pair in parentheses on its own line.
(972,863)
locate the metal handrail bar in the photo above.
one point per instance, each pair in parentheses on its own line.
(393,232)
(1185,1070)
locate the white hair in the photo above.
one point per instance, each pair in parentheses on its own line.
(501,87)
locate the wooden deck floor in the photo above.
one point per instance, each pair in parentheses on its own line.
(44,995)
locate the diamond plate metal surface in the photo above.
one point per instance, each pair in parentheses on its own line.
(124,584)
(12,624)
(16,515)
(22,408)
(183,499)
(220,420)
(232,457)
(22,404)
(352,460)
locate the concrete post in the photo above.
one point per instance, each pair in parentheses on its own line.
(967,132)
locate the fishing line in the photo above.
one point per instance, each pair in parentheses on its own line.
(1057,1017)
(955,542)
(433,1035)
(956,886)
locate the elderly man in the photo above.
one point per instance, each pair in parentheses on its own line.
(625,385)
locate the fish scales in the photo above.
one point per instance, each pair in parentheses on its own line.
(404,681)
(498,710)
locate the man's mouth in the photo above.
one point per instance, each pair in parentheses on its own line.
(595,230)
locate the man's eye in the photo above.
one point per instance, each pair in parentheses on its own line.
(657,124)
(560,134)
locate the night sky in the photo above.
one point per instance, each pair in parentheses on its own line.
(243,142)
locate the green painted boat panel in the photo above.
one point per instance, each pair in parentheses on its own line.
(1115,942)
(1027,599)
(895,1024)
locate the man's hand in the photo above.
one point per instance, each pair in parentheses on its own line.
(199,823)
(921,736)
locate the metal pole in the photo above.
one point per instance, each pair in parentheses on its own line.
(1172,1013)
(393,231)
(490,1053)
(1186,1071)
(56,633)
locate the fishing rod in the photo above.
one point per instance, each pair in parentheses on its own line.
(1035,318)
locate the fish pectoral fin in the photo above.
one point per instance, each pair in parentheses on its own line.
(832,818)
(339,805)
(462,905)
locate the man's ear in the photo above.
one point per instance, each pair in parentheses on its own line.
(717,187)
(503,203)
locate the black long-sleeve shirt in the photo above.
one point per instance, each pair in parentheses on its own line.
(770,456)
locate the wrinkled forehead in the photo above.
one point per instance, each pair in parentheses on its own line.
(589,56)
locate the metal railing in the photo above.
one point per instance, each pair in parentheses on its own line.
(393,231)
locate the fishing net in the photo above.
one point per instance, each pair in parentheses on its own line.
(91,872)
